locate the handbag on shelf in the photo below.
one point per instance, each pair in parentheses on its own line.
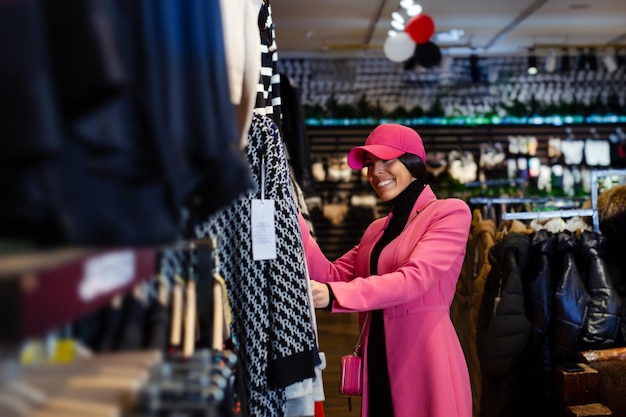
(351,371)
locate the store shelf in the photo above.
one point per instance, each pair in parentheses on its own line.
(42,291)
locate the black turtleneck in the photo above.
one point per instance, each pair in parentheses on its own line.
(380,391)
(401,207)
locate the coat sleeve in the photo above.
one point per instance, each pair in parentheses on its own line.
(320,268)
(438,248)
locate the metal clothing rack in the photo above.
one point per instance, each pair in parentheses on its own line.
(527,215)
(490,201)
(593,212)
(488,183)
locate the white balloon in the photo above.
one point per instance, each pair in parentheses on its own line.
(414,10)
(399,48)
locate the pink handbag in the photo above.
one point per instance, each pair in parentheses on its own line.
(351,382)
(351,371)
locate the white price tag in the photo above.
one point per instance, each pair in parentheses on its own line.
(106,273)
(263,230)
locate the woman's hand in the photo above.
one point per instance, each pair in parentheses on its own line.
(321,296)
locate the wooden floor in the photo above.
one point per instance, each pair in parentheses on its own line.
(337,336)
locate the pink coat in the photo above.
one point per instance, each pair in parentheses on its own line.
(417,279)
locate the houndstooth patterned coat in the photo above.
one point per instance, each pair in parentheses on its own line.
(269,299)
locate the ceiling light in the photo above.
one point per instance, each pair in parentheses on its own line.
(397,25)
(397,17)
(414,10)
(405,4)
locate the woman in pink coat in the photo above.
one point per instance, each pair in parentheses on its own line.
(404,273)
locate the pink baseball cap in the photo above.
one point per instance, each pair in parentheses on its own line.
(388,141)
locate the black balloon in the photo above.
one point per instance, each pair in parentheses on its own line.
(427,54)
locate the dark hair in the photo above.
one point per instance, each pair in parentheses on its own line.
(415,165)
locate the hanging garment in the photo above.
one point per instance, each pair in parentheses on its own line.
(131,334)
(605,304)
(28,112)
(503,328)
(269,298)
(242,42)
(98,331)
(117,146)
(87,30)
(183,62)
(302,204)
(541,384)
(597,152)
(571,300)
(268,100)
(157,325)
(293,129)
(31,125)
(468,296)
(541,287)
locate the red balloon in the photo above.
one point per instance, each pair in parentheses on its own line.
(420,28)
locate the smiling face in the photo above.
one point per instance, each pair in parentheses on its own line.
(387,178)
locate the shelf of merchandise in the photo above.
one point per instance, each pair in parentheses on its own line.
(43,290)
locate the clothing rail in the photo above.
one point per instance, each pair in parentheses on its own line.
(593,212)
(490,201)
(489,183)
(506,200)
(527,215)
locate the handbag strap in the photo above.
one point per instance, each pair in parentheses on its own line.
(357,347)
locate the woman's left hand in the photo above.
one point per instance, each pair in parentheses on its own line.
(321,296)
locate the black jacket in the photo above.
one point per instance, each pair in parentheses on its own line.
(503,327)
(571,300)
(541,297)
(605,304)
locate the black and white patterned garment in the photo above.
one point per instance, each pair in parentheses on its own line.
(269,298)
(268,101)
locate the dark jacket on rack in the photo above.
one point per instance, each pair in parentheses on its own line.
(605,305)
(503,327)
(468,296)
(541,296)
(540,301)
(571,300)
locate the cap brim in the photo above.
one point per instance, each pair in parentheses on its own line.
(356,157)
